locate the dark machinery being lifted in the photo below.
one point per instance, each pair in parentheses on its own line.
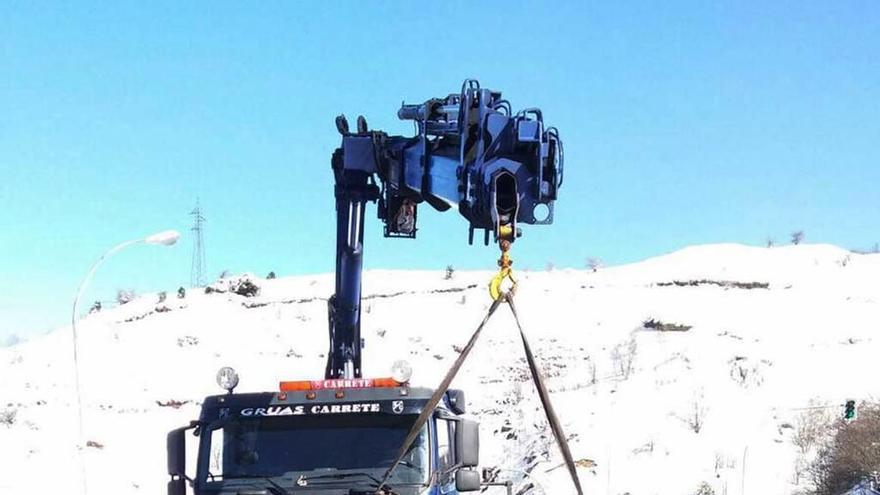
(470,152)
(363,436)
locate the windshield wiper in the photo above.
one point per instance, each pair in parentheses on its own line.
(305,480)
(330,478)
(276,485)
(275,488)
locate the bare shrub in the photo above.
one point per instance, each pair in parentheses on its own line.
(695,417)
(592,371)
(450,272)
(162,296)
(748,373)
(797,237)
(810,432)
(851,455)
(623,357)
(724,462)
(594,264)
(698,417)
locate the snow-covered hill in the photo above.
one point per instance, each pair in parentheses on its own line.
(771,331)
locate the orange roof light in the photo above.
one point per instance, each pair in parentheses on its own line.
(339,383)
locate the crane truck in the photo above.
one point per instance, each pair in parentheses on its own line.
(340,434)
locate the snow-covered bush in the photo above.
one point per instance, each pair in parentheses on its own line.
(124,296)
(704,489)
(797,237)
(187,341)
(244,287)
(96,307)
(7,416)
(654,324)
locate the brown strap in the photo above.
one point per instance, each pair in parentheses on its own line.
(545,400)
(544,395)
(438,395)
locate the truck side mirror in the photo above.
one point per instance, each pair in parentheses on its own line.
(467,444)
(456,400)
(176,446)
(176,451)
(177,486)
(467,480)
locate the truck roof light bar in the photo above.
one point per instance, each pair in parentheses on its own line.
(336,384)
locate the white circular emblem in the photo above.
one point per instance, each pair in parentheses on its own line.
(397,406)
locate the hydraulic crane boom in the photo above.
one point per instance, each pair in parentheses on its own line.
(470,152)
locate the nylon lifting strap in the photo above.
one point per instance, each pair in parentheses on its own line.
(544,395)
(438,394)
(555,425)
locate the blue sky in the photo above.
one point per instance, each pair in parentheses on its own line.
(683,123)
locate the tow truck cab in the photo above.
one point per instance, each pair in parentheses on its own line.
(325,436)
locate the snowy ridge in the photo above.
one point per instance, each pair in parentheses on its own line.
(631,398)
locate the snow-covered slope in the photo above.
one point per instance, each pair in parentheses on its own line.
(772,331)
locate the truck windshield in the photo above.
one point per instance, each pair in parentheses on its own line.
(290,447)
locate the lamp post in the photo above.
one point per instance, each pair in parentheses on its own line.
(164,238)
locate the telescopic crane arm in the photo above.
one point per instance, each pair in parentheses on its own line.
(470,152)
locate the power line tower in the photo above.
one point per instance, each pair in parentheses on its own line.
(197,273)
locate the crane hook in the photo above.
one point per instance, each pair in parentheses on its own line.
(505,272)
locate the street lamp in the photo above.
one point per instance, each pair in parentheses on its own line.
(164,238)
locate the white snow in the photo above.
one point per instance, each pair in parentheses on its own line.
(752,359)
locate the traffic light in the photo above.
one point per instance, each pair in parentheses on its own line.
(849,410)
